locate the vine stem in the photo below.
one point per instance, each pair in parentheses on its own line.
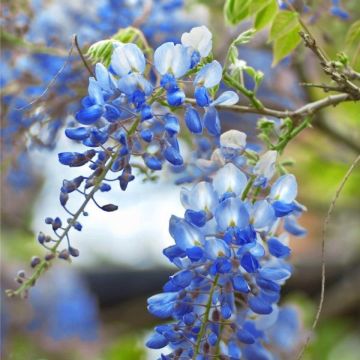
(323,241)
(248,93)
(44,264)
(206,317)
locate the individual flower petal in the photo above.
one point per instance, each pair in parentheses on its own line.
(212,121)
(127,58)
(229,179)
(266,164)
(215,248)
(262,215)
(284,189)
(292,226)
(259,306)
(209,75)
(95,92)
(193,121)
(171,58)
(162,305)
(156,341)
(226,98)
(233,139)
(79,133)
(278,249)
(201,197)
(199,39)
(185,235)
(89,115)
(128,84)
(104,78)
(231,213)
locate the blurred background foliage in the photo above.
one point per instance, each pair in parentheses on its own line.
(322,155)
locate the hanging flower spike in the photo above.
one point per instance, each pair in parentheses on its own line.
(199,43)
(231,267)
(172,62)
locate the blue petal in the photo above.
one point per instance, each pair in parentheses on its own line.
(193,121)
(152,162)
(104,78)
(185,235)
(175,98)
(79,133)
(263,215)
(173,156)
(212,121)
(291,225)
(89,115)
(172,125)
(249,263)
(275,273)
(95,92)
(197,218)
(259,305)
(209,75)
(278,249)
(130,83)
(157,341)
(240,284)
(202,96)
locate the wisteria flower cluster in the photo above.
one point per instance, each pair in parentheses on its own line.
(231,249)
(126,115)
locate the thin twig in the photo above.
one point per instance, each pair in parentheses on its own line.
(301,112)
(323,263)
(82,57)
(51,83)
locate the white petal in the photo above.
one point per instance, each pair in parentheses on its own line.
(163,57)
(181,61)
(200,39)
(226,98)
(229,179)
(233,139)
(266,164)
(209,75)
(284,189)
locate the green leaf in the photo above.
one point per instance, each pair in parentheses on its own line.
(236,10)
(353,35)
(266,15)
(244,37)
(284,22)
(352,42)
(284,45)
(258,5)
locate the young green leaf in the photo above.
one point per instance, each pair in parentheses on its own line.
(353,35)
(284,22)
(236,10)
(266,15)
(285,44)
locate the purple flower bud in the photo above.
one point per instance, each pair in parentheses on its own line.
(73,252)
(109,207)
(35,260)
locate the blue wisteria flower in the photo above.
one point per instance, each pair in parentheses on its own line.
(231,250)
